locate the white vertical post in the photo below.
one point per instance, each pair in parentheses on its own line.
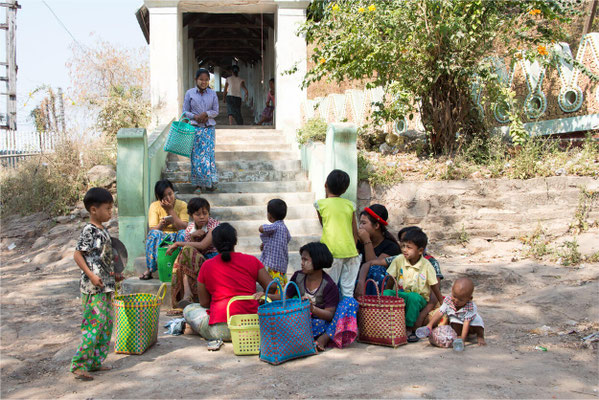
(11,60)
(166,67)
(290,52)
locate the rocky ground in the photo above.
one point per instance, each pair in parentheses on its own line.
(525,304)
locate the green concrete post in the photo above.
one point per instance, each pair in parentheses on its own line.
(132,195)
(342,153)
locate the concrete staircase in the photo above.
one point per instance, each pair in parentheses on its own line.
(254,165)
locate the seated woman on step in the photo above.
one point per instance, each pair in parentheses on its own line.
(167,219)
(197,248)
(221,278)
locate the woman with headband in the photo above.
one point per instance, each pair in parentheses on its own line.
(375,241)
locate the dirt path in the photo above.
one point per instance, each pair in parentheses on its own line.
(40,316)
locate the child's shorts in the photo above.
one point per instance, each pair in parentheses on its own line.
(477,321)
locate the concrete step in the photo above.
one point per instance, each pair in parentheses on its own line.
(258,213)
(251,187)
(135,285)
(217,199)
(256,175)
(297,227)
(240,165)
(253,146)
(249,136)
(244,156)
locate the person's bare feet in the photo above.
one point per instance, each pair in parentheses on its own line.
(322,341)
(481,341)
(82,375)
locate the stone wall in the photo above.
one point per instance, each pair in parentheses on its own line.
(496,209)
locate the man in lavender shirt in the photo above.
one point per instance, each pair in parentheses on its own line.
(201,107)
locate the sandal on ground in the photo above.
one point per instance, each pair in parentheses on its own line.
(102,368)
(174,311)
(82,375)
(200,190)
(183,303)
(146,276)
(412,338)
(211,189)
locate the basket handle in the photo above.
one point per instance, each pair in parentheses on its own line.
(162,289)
(378,293)
(284,292)
(240,298)
(394,280)
(268,287)
(183,119)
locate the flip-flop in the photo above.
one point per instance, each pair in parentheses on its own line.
(146,276)
(174,311)
(183,303)
(81,377)
(102,368)
(413,338)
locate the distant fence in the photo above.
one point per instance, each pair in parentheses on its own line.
(16,146)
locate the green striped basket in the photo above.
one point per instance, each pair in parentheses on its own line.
(180,137)
(137,321)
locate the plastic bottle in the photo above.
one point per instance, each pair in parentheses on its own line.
(458,345)
(423,332)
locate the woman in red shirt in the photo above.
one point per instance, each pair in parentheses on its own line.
(227,275)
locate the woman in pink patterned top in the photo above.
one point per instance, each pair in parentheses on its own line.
(196,248)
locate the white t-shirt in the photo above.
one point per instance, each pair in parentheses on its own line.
(234,86)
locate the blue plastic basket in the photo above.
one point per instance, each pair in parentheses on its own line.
(285,328)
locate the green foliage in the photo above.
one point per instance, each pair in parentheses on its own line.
(568,253)
(429,54)
(537,243)
(315,130)
(52,182)
(586,201)
(377,170)
(463,236)
(124,108)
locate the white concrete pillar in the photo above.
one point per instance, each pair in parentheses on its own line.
(290,51)
(192,65)
(166,66)
(217,76)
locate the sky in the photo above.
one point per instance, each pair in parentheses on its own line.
(43,44)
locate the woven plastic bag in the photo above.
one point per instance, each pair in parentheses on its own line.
(285,328)
(381,319)
(137,321)
(180,137)
(443,336)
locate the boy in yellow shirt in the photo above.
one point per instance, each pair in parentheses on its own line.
(417,276)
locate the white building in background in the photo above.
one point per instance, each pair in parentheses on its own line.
(258,35)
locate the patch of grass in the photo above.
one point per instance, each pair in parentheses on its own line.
(52,182)
(586,201)
(593,258)
(463,237)
(378,169)
(537,243)
(568,253)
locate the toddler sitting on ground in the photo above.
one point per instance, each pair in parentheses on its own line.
(461,311)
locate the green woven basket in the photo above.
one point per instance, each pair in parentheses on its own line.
(180,137)
(137,321)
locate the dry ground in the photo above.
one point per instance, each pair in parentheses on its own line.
(524,304)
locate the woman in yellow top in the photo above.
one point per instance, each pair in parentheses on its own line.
(167,219)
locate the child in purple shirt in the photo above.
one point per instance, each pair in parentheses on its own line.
(275,240)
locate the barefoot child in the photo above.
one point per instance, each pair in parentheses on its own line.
(275,239)
(419,279)
(461,311)
(93,254)
(340,231)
